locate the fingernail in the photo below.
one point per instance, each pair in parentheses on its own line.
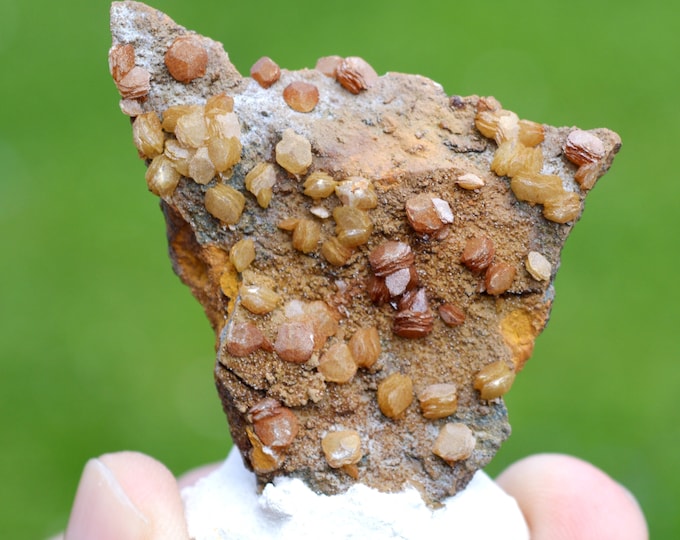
(102,510)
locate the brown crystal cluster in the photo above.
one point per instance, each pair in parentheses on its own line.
(376,258)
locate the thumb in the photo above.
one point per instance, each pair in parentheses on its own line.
(127,496)
(566,498)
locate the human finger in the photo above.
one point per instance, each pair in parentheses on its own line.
(127,496)
(563,497)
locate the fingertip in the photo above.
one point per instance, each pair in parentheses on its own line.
(563,497)
(102,509)
(126,496)
(153,488)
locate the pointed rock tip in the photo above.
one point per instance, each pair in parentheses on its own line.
(151,32)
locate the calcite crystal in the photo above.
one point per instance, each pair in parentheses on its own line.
(376,260)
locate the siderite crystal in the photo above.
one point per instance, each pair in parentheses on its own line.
(376,269)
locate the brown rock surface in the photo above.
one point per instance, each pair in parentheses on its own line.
(398,138)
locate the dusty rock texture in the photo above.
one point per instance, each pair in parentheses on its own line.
(406,137)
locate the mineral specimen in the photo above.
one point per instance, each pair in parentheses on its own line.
(376,258)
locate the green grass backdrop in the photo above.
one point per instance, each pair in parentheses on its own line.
(102,348)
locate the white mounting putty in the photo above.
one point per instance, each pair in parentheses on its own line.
(226,506)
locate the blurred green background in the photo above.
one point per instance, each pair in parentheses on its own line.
(102,348)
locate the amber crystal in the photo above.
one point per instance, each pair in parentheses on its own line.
(582,147)
(324,321)
(358,192)
(562,208)
(538,266)
(294,152)
(328,65)
(180,156)
(478,253)
(470,181)
(377,290)
(288,224)
(265,71)
(427,213)
(365,346)
(413,324)
(487,123)
(323,318)
(225,203)
(301,96)
(454,443)
(224,125)
(148,135)
(320,211)
(174,113)
(258,299)
(319,185)
(135,84)
(414,300)
(191,130)
(276,426)
(242,253)
(186,59)
(201,167)
(130,107)
(219,104)
(262,458)
(342,448)
(513,157)
(414,318)
(162,177)
(507,128)
(389,257)
(536,188)
(306,235)
(588,174)
(260,181)
(395,394)
(531,133)
(224,153)
(295,342)
(353,226)
(499,277)
(335,253)
(337,364)
(121,60)
(438,400)
(244,339)
(488,103)
(355,74)
(451,314)
(494,380)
